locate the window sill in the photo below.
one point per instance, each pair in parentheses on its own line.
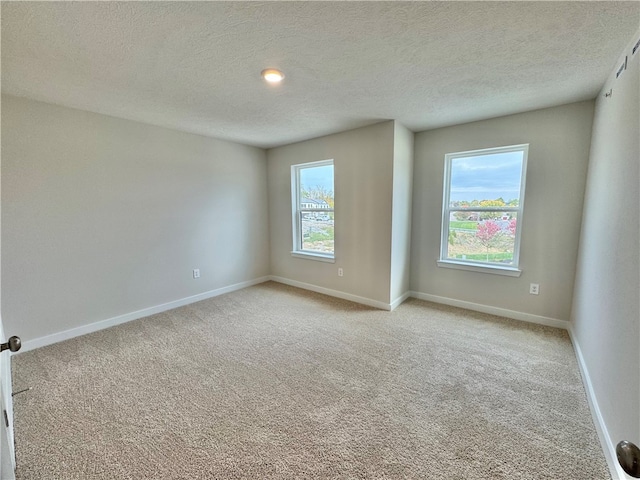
(318,257)
(493,269)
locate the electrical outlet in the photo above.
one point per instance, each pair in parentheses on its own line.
(196,273)
(534,289)
(340,272)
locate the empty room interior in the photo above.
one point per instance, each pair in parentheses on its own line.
(320,240)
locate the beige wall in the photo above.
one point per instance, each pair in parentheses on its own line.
(103,217)
(401,211)
(606,309)
(363,202)
(557,165)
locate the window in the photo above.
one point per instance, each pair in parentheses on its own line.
(313,214)
(482,209)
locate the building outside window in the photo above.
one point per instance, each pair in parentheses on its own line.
(482,209)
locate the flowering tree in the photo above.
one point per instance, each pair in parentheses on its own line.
(488,234)
(512,226)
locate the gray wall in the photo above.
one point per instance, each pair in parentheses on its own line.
(103,217)
(363,201)
(606,309)
(559,141)
(401,211)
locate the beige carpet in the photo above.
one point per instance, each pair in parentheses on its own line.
(276,382)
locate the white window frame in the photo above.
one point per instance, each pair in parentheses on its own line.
(297,211)
(478,266)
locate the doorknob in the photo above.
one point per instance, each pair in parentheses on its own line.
(629,458)
(13,344)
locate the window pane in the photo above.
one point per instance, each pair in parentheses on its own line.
(486,180)
(317,231)
(482,236)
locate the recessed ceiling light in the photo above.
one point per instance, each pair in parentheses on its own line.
(272,75)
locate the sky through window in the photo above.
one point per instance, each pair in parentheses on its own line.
(486,177)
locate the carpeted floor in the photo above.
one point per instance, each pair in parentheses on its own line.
(277,382)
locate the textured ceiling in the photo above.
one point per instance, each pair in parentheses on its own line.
(195,66)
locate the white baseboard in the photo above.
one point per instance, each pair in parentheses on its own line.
(502,312)
(333,293)
(608,447)
(127,317)
(398,301)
